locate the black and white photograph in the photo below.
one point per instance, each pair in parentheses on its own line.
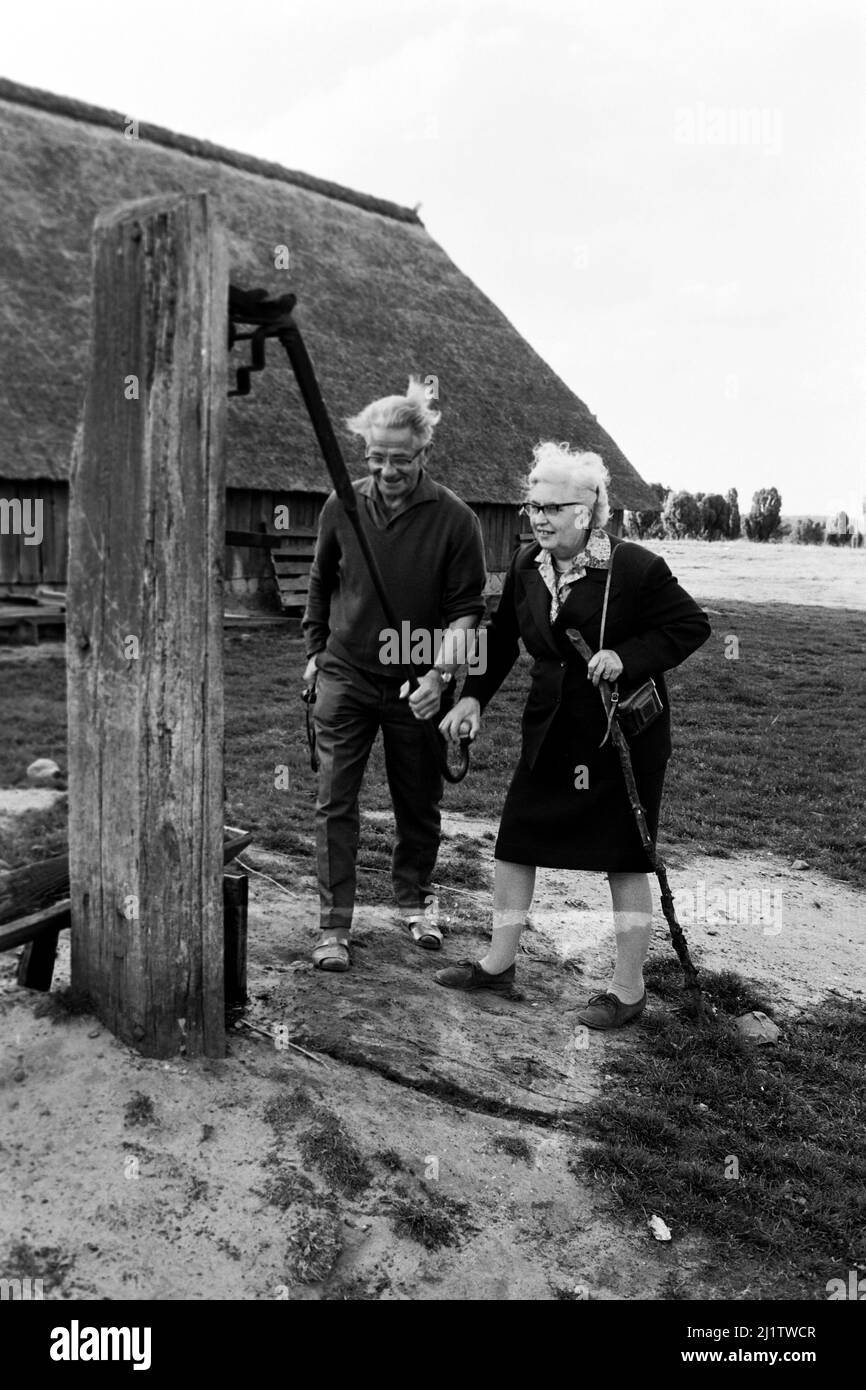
(432,670)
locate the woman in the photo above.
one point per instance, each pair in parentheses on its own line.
(567,806)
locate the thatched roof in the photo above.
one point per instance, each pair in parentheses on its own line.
(377,299)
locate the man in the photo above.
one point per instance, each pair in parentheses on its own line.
(429,551)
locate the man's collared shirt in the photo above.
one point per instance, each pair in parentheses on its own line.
(379,514)
(595,556)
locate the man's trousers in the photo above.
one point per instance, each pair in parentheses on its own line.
(351,706)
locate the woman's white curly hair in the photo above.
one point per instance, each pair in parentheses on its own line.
(559,463)
(415,409)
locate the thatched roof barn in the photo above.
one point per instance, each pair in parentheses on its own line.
(377,299)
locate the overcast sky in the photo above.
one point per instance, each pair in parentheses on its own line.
(667,199)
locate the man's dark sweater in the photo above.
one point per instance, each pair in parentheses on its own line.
(430,555)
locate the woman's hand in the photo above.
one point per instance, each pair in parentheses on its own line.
(310,671)
(605,665)
(463,721)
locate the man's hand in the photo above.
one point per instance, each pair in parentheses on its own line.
(424,702)
(310,671)
(605,665)
(463,721)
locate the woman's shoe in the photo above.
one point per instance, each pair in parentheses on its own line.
(469,975)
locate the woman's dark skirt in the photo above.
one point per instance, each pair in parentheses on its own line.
(549,821)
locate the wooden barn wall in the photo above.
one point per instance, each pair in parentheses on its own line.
(31,565)
(246,570)
(500,527)
(44,563)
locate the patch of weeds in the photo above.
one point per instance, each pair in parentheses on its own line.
(328,1148)
(287,841)
(62,1004)
(283,1110)
(36,835)
(139,1110)
(131,1146)
(198,1189)
(514,1145)
(285,1187)
(758,1148)
(461,864)
(434,1221)
(578,1294)
(390,1159)
(728,991)
(357,1289)
(46,1262)
(674,1288)
(227,1248)
(377,847)
(314,1246)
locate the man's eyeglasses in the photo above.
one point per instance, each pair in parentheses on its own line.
(551,509)
(377,458)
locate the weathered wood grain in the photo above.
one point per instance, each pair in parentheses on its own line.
(146,534)
(46,922)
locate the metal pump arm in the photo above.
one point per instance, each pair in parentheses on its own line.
(273,319)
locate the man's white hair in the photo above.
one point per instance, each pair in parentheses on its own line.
(559,463)
(394,412)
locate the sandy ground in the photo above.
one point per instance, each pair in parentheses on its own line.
(178,1206)
(210,1192)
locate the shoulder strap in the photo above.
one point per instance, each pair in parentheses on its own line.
(611,697)
(606,596)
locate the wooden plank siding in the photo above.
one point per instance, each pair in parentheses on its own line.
(31,565)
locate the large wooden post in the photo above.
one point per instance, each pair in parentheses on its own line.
(144,631)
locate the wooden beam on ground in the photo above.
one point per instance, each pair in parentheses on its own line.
(144,631)
(236,888)
(33,886)
(47,922)
(36,962)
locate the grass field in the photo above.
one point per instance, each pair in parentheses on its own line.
(758,1149)
(767,750)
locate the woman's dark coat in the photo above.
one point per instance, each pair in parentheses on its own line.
(652,625)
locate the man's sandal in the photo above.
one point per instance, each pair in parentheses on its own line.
(423,923)
(427,936)
(332,955)
(426,933)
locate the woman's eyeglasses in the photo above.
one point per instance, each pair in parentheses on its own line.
(551,509)
(377,458)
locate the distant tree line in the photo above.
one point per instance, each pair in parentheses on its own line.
(709,516)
